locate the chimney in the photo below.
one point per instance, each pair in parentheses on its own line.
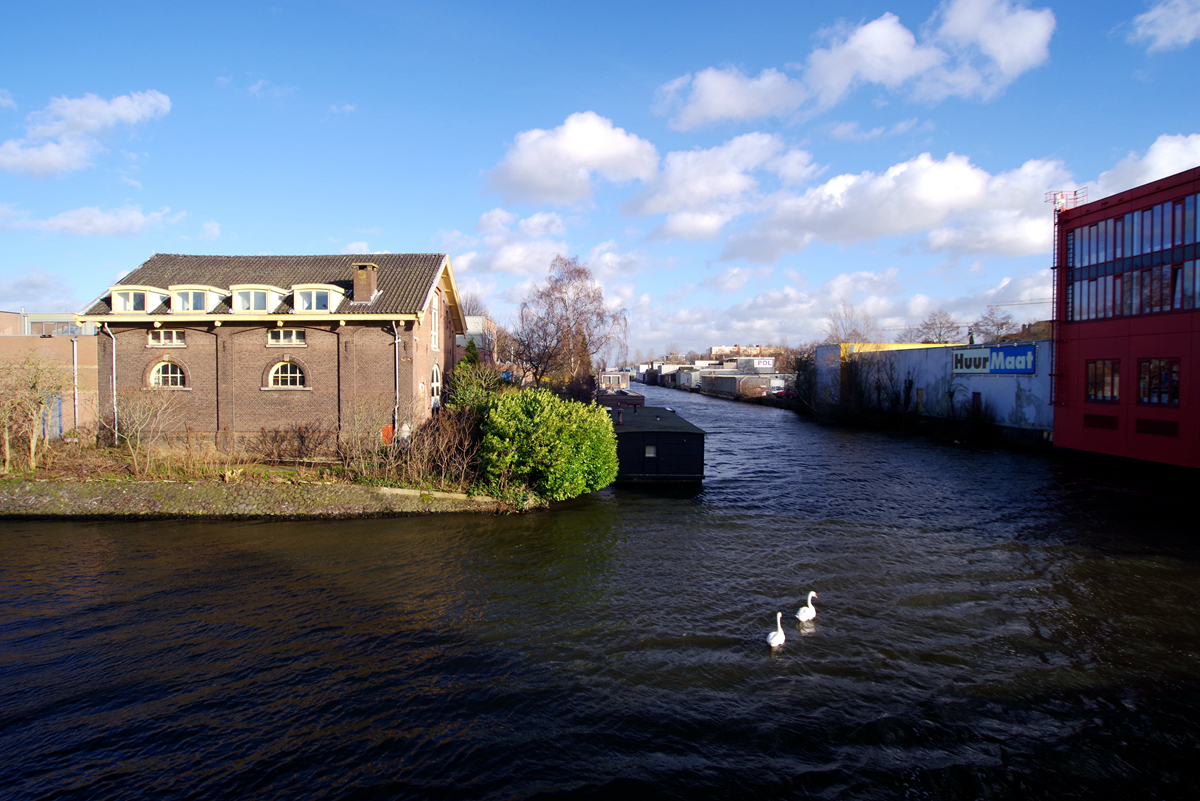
(365,282)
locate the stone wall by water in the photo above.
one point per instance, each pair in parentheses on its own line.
(166,499)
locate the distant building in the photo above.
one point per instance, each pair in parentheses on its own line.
(482,332)
(619,397)
(614,380)
(726,351)
(654,444)
(60,340)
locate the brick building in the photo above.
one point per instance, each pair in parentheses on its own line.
(254,342)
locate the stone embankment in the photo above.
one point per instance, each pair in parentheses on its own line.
(169,499)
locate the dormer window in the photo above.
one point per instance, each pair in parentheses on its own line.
(312,300)
(250,300)
(129,301)
(190,301)
(315,298)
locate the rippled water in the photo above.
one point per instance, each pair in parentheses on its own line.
(990,625)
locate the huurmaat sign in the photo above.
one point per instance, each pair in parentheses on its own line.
(995,361)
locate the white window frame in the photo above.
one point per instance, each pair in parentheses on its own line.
(187,297)
(435,387)
(274,382)
(167,338)
(177,379)
(306,298)
(287,338)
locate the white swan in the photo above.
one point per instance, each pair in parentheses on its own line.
(807,613)
(775,638)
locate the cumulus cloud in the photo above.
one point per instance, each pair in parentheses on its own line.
(89,221)
(735,278)
(209,231)
(65,135)
(882,51)
(975,49)
(559,165)
(542,224)
(1168,155)
(717,95)
(1168,25)
(962,206)
(6,100)
(39,291)
(701,190)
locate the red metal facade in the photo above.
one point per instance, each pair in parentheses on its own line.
(1128,324)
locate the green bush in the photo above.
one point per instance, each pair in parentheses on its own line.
(554,449)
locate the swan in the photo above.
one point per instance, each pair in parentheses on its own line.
(775,638)
(807,613)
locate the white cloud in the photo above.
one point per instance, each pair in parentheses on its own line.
(264,88)
(209,231)
(1168,25)
(735,278)
(606,261)
(63,136)
(344,108)
(1168,155)
(39,292)
(1014,39)
(850,132)
(559,165)
(979,47)
(542,224)
(6,100)
(355,248)
(964,208)
(718,95)
(494,221)
(90,221)
(881,51)
(702,189)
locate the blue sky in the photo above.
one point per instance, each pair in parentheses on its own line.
(729,174)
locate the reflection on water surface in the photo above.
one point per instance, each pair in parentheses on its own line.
(992,625)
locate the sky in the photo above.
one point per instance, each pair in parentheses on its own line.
(729,172)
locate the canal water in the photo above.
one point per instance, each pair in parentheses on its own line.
(989,625)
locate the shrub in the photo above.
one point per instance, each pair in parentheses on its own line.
(555,449)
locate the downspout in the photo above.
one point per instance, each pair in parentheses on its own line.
(75,385)
(396,364)
(116,434)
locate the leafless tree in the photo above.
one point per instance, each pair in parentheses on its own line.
(993,325)
(848,324)
(938,328)
(563,324)
(473,305)
(143,416)
(28,385)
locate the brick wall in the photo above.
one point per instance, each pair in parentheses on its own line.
(350,375)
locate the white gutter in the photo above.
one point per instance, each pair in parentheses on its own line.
(396,363)
(75,383)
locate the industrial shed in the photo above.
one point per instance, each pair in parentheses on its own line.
(654,444)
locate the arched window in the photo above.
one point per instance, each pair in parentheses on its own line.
(287,374)
(167,375)
(435,387)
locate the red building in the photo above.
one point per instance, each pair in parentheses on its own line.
(1128,336)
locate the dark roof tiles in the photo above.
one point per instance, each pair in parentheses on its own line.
(404,279)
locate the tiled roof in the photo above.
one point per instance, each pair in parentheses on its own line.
(404,279)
